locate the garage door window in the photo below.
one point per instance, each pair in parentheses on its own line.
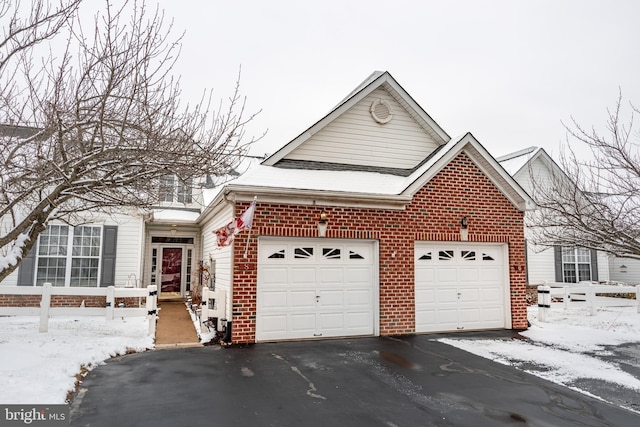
(445,255)
(331,253)
(303,253)
(468,255)
(277,255)
(426,257)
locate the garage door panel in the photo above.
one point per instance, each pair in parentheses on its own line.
(275,276)
(492,294)
(302,322)
(330,298)
(469,275)
(358,275)
(460,286)
(274,300)
(469,295)
(327,285)
(330,276)
(446,274)
(274,323)
(424,274)
(492,274)
(446,295)
(302,299)
(359,297)
(425,296)
(303,275)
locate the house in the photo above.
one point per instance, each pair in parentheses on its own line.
(373,221)
(551,264)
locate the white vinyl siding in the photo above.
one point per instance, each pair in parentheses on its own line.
(355,138)
(629,274)
(129,248)
(222,257)
(540,264)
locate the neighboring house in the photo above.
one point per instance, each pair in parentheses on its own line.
(373,221)
(424,233)
(552,264)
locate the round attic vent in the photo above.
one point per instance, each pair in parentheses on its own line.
(381,111)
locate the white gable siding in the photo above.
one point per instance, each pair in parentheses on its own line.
(355,138)
(222,256)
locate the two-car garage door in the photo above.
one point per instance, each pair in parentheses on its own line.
(315,288)
(321,288)
(461,286)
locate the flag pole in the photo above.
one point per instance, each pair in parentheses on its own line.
(246,248)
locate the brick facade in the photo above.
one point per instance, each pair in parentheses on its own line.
(434,214)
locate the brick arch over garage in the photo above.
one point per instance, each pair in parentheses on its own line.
(459,189)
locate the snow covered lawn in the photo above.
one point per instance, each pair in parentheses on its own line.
(571,346)
(40,368)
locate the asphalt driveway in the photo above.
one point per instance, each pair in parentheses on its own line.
(410,381)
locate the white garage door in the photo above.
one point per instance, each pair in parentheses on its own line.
(315,288)
(461,286)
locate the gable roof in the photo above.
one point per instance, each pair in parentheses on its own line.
(375,81)
(276,181)
(520,162)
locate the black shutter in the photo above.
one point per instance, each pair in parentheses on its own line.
(594,265)
(109,243)
(557,260)
(27,268)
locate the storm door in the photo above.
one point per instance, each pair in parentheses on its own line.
(171,272)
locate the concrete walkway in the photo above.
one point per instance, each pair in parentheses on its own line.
(175,327)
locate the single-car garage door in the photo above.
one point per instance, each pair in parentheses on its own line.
(315,288)
(461,286)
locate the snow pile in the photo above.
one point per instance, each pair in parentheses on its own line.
(569,347)
(40,368)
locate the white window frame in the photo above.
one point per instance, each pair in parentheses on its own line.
(172,189)
(69,254)
(576,257)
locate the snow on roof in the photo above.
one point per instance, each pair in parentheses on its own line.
(261,175)
(513,162)
(178,215)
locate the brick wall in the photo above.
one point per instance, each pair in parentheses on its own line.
(434,214)
(65,301)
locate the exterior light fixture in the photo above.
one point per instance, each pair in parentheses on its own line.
(464,232)
(623,268)
(322,223)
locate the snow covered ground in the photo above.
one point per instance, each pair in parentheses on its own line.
(574,349)
(40,368)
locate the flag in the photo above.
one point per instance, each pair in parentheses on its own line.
(227,234)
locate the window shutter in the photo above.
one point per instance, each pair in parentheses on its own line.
(27,269)
(108,262)
(594,265)
(557,259)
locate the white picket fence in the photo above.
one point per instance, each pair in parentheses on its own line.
(584,294)
(110,311)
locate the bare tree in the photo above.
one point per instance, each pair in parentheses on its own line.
(105,117)
(594,200)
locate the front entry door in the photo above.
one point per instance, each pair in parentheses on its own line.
(171,273)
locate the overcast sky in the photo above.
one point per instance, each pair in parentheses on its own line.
(510,72)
